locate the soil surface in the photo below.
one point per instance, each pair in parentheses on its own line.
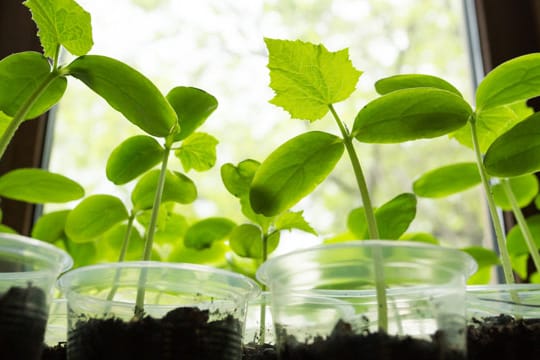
(254,351)
(503,337)
(23,318)
(184,333)
(57,352)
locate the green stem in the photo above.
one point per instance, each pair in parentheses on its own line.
(262,314)
(373,231)
(150,232)
(497,224)
(529,239)
(20,115)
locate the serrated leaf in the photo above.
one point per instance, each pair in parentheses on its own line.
(178,188)
(291,220)
(491,124)
(22,75)
(192,106)
(293,170)
(307,78)
(237,179)
(410,114)
(133,157)
(524,188)
(93,216)
(515,241)
(406,81)
(204,233)
(447,180)
(198,152)
(38,186)
(516,152)
(128,91)
(514,80)
(50,227)
(62,22)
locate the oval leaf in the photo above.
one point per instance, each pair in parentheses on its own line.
(237,179)
(447,180)
(127,91)
(514,80)
(515,241)
(410,114)
(39,186)
(21,76)
(215,255)
(178,188)
(407,81)
(132,158)
(193,106)
(93,216)
(50,227)
(516,152)
(422,237)
(204,233)
(293,170)
(113,240)
(524,188)
(246,241)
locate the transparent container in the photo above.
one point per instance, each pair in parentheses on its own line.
(56,332)
(504,321)
(190,312)
(424,286)
(259,327)
(28,272)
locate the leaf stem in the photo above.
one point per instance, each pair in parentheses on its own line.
(373,231)
(150,232)
(497,224)
(20,115)
(529,239)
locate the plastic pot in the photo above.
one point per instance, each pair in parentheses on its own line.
(424,286)
(191,311)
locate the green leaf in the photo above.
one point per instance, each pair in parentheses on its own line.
(192,106)
(486,259)
(237,179)
(133,157)
(393,218)
(171,230)
(515,80)
(62,22)
(447,180)
(50,227)
(22,75)
(114,238)
(410,114)
(293,170)
(178,188)
(198,152)
(93,216)
(83,253)
(4,122)
(204,233)
(7,229)
(290,220)
(246,240)
(516,152)
(39,186)
(215,255)
(515,241)
(307,78)
(127,91)
(423,237)
(263,221)
(407,81)
(491,124)
(524,188)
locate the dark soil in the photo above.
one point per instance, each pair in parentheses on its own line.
(503,337)
(183,333)
(344,344)
(254,351)
(23,318)
(57,352)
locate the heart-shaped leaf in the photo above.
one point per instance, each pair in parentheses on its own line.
(237,179)
(133,157)
(293,170)
(410,114)
(447,180)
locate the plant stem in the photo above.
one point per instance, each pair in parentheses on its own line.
(529,239)
(150,232)
(497,224)
(20,115)
(373,231)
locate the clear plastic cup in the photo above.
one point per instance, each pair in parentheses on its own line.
(28,272)
(424,286)
(191,311)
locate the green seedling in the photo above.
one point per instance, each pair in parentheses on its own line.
(308,80)
(31,83)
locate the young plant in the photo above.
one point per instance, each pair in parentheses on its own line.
(308,80)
